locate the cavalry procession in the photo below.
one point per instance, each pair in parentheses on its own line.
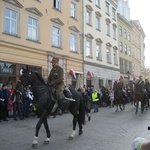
(55,98)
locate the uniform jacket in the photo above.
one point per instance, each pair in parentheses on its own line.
(56,76)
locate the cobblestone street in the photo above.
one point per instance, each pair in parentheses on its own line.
(106,130)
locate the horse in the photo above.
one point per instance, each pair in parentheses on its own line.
(147,87)
(44,100)
(140,95)
(119,97)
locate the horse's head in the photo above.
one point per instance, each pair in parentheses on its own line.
(25,77)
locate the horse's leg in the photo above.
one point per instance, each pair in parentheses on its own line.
(47,140)
(38,126)
(142,104)
(88,116)
(80,125)
(137,105)
(75,119)
(120,104)
(123,104)
(116,105)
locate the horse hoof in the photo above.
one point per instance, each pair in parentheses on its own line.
(46,142)
(34,145)
(70,138)
(89,118)
(80,132)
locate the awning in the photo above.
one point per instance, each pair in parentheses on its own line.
(73,73)
(90,74)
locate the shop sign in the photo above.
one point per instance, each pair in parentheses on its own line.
(6,70)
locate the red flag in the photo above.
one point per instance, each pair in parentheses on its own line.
(89,74)
(73,73)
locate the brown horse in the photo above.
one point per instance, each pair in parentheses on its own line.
(140,95)
(119,96)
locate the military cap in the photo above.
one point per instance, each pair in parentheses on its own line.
(55,59)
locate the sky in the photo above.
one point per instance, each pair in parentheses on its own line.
(140,10)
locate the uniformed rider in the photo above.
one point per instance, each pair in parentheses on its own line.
(56,80)
(120,84)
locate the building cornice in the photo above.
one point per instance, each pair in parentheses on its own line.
(128,23)
(101,66)
(14,2)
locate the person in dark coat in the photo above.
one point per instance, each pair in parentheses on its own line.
(5,96)
(86,100)
(17,101)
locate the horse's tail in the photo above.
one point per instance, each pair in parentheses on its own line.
(82,111)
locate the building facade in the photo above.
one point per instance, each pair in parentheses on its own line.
(101,63)
(32,32)
(138,46)
(124,41)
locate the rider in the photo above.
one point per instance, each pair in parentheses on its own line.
(147,85)
(121,83)
(56,80)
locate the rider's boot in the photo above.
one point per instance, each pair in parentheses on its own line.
(60,106)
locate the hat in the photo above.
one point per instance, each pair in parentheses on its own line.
(137,143)
(55,59)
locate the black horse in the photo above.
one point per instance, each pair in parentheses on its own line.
(119,97)
(44,102)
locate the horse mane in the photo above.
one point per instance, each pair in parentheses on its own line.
(39,77)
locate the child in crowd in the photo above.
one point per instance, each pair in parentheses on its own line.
(111,95)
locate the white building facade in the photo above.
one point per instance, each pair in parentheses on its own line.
(101,60)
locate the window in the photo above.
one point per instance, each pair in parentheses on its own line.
(126,66)
(108,55)
(97,23)
(88,49)
(129,36)
(73,43)
(97,3)
(114,32)
(121,65)
(11,21)
(129,51)
(125,33)
(98,52)
(73,10)
(107,29)
(57,4)
(107,8)
(32,29)
(115,57)
(125,49)
(113,13)
(88,17)
(121,47)
(56,36)
(120,31)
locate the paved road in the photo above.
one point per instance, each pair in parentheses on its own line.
(107,130)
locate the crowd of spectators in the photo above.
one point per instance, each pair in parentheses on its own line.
(15,103)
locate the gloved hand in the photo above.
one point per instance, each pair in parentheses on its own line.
(50,84)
